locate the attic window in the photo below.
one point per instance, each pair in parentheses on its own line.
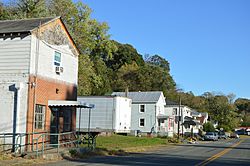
(57,59)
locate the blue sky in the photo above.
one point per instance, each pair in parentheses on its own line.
(206,42)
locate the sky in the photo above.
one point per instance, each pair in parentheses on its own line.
(207,43)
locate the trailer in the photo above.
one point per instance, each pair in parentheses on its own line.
(110,114)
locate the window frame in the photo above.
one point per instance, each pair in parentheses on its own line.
(175,110)
(56,61)
(144,122)
(39,122)
(140,108)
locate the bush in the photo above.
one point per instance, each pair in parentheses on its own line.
(73,152)
(208,127)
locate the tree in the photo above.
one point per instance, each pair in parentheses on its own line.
(208,127)
(103,74)
(158,61)
(125,54)
(222,111)
(33,8)
(243,105)
(87,78)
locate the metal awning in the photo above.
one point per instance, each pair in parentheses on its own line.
(161,116)
(192,123)
(67,103)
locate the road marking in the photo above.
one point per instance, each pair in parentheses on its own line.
(205,162)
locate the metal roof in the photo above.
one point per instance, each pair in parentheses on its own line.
(169,102)
(67,103)
(24,25)
(162,116)
(141,97)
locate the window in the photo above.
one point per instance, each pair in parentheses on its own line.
(174,111)
(142,123)
(142,108)
(39,116)
(67,120)
(57,59)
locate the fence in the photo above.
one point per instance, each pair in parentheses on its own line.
(36,142)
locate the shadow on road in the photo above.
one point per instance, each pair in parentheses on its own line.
(142,159)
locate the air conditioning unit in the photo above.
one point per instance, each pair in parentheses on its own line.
(57,69)
(61,69)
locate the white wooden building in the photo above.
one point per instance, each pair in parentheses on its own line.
(38,64)
(147,114)
(110,114)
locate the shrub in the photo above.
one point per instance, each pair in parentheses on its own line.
(208,127)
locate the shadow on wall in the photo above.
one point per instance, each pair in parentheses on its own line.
(71,93)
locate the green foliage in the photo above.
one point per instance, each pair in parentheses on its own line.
(31,9)
(125,54)
(243,105)
(87,78)
(208,127)
(158,61)
(246,119)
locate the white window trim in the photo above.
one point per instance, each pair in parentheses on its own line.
(43,117)
(55,61)
(140,122)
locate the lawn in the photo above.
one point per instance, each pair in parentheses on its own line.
(119,142)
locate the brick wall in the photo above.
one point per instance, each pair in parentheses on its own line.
(48,89)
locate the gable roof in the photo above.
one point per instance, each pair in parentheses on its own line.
(141,97)
(29,25)
(169,102)
(24,25)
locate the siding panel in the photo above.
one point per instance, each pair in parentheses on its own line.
(15,55)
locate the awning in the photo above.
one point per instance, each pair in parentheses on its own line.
(67,103)
(161,116)
(192,123)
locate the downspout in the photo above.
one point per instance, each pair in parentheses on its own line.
(113,112)
(34,84)
(16,110)
(155,125)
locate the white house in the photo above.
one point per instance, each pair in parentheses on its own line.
(190,120)
(110,114)
(147,111)
(38,65)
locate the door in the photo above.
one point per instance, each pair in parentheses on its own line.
(54,125)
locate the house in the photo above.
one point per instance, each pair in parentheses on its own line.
(190,120)
(110,114)
(147,114)
(38,78)
(170,114)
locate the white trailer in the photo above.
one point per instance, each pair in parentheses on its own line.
(110,114)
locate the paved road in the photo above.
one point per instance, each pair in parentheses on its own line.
(229,152)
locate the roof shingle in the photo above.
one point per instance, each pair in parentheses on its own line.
(143,97)
(24,25)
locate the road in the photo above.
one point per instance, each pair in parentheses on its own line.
(224,152)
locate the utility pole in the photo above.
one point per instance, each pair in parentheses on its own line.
(179,117)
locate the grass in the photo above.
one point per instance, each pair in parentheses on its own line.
(119,145)
(119,142)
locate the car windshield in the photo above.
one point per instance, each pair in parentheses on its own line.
(210,133)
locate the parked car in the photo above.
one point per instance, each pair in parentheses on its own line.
(222,135)
(211,136)
(234,135)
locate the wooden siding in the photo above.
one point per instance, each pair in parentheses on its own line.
(15,55)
